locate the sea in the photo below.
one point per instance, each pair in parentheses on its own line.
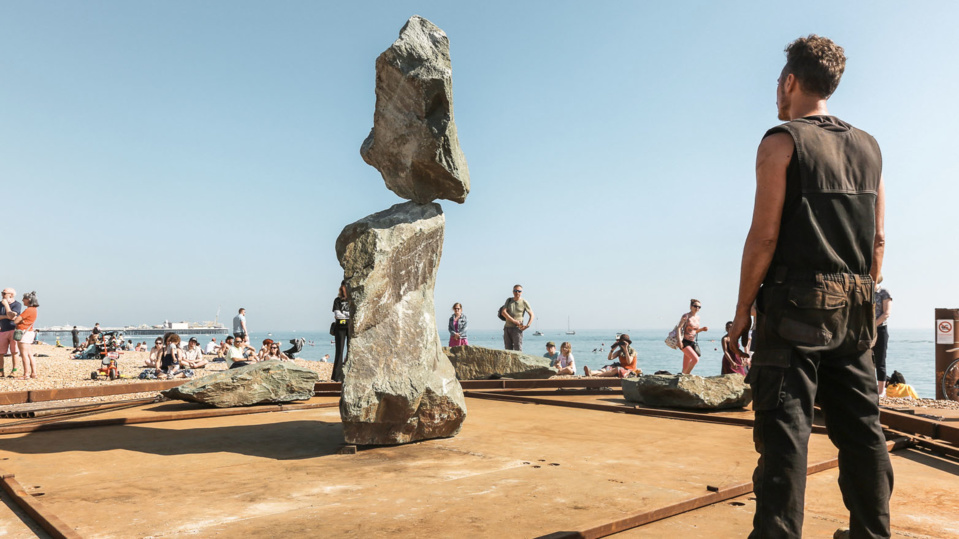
(911,351)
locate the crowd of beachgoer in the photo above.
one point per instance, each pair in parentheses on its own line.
(517,315)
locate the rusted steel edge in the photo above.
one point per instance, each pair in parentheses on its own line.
(652,412)
(667,511)
(559,392)
(173,416)
(37,511)
(932,445)
(919,425)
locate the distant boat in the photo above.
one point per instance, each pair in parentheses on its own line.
(537,333)
(568,330)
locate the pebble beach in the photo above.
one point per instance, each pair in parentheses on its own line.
(57,369)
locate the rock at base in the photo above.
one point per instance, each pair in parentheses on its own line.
(479,363)
(399,386)
(259,383)
(413,142)
(688,391)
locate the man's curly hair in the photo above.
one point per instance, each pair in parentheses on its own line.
(817,62)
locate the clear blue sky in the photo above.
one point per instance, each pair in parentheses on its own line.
(159,159)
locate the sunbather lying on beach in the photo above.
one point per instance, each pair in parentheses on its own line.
(623,351)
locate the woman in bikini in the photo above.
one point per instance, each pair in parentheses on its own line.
(689,329)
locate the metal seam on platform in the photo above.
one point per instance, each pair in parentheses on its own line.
(36,510)
(671,510)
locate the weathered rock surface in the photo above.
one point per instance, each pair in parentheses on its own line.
(259,383)
(399,386)
(413,142)
(688,391)
(478,363)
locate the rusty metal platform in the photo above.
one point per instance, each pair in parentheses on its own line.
(537,464)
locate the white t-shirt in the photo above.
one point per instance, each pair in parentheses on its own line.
(565,361)
(211,347)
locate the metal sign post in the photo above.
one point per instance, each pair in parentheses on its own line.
(947,351)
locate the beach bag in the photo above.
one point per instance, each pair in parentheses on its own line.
(17,335)
(672,340)
(499,312)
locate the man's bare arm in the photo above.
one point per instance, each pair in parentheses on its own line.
(772,160)
(879,243)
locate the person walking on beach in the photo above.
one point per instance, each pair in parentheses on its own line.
(813,252)
(689,329)
(514,312)
(883,306)
(341,331)
(25,335)
(239,324)
(457,327)
(10,308)
(76,337)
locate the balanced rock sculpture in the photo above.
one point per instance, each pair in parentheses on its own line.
(259,383)
(688,391)
(399,386)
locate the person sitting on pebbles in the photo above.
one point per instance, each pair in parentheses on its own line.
(170,358)
(156,354)
(193,356)
(622,350)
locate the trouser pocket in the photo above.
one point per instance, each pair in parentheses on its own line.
(814,316)
(767,387)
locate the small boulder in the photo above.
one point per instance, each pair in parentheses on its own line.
(259,383)
(479,363)
(688,391)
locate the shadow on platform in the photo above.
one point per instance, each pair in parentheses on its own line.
(287,440)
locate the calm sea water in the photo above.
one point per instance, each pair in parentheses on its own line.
(911,352)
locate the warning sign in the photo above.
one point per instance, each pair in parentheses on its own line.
(945,332)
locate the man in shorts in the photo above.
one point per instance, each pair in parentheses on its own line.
(813,252)
(9,310)
(514,311)
(239,324)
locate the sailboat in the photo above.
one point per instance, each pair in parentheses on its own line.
(568,330)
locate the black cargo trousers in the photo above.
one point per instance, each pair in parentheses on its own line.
(812,344)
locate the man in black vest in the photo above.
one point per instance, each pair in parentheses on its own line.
(813,251)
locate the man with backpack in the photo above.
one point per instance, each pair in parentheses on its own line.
(513,312)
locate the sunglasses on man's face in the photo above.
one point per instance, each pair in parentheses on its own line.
(517,291)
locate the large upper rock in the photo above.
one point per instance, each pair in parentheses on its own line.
(399,386)
(688,391)
(413,142)
(478,363)
(263,382)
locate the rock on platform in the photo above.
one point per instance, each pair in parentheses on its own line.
(399,386)
(479,363)
(413,142)
(688,391)
(259,383)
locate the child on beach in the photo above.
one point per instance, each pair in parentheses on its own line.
(565,364)
(172,355)
(551,353)
(732,362)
